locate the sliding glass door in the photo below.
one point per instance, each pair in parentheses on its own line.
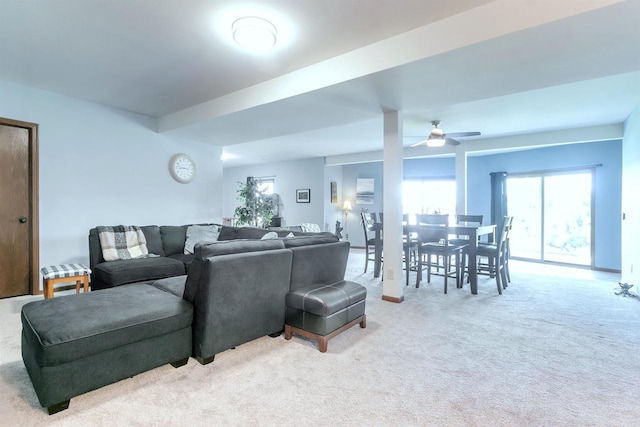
(552,216)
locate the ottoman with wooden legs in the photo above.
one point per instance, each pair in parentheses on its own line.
(322,312)
(77,343)
(64,273)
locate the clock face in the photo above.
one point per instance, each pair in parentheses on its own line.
(182,168)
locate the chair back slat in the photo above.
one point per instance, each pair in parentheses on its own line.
(475,219)
(503,238)
(367,219)
(432,219)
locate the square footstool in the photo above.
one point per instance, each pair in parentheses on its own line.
(322,312)
(77,343)
(64,273)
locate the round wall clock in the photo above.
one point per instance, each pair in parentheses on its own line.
(182,168)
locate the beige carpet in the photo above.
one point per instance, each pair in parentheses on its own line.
(557,348)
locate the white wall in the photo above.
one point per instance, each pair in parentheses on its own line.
(105,166)
(289,176)
(631,201)
(333,211)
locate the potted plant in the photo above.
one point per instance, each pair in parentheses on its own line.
(257,208)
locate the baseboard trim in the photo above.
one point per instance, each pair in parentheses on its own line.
(392,299)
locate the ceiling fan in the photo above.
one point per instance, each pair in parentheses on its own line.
(437,138)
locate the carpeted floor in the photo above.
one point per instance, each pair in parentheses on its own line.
(558,348)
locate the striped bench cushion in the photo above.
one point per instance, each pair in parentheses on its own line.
(64,270)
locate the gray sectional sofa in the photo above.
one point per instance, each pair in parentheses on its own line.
(168,242)
(234,292)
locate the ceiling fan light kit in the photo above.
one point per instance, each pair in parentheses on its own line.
(437,138)
(435,142)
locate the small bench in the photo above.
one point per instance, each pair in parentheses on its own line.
(78,343)
(64,273)
(321,313)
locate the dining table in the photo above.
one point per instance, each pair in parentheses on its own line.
(472,231)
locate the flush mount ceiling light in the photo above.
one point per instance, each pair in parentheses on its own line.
(254,33)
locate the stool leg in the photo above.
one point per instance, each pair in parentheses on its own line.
(45,288)
(86,283)
(78,286)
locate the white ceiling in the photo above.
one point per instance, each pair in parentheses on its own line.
(501,67)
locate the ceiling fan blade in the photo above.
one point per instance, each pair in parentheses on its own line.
(452,141)
(460,134)
(424,141)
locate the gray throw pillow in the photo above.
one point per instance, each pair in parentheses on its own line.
(200,233)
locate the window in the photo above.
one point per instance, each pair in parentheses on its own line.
(428,196)
(266,184)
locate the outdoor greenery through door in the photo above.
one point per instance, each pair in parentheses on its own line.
(552,216)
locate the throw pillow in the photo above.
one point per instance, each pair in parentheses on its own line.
(122,242)
(200,233)
(310,227)
(270,235)
(290,235)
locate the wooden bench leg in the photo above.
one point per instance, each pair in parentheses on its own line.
(47,288)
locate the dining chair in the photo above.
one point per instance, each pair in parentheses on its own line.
(410,250)
(468,219)
(433,239)
(368,219)
(424,219)
(496,255)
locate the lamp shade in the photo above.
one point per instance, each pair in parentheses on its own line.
(347,206)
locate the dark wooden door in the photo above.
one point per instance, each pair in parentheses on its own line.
(15,210)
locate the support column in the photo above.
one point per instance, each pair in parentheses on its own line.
(392,289)
(461,180)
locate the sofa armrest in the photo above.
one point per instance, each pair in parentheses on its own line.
(237,298)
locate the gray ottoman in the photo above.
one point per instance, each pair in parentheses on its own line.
(77,343)
(321,313)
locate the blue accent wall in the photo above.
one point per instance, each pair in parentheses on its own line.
(608,185)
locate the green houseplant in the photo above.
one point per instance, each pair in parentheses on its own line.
(256,209)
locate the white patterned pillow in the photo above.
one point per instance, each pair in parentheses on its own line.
(270,235)
(200,233)
(310,228)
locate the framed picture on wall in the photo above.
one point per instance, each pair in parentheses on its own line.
(303,195)
(364,191)
(334,192)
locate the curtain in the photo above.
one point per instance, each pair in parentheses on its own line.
(498,198)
